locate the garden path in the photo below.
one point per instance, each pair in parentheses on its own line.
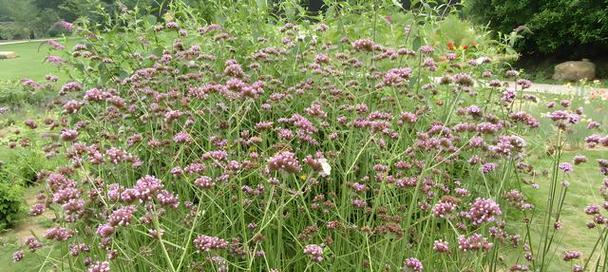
(564,89)
(26,41)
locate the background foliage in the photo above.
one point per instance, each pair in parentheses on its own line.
(10,201)
(561,27)
(26,19)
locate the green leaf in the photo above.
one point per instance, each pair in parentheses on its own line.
(157,51)
(150,19)
(290,12)
(416,43)
(413,81)
(122,74)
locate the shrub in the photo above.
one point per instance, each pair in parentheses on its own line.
(11,199)
(9,31)
(24,168)
(57,29)
(15,96)
(554,26)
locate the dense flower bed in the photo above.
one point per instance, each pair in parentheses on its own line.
(196,147)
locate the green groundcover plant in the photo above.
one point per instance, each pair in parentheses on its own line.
(364,139)
(11,198)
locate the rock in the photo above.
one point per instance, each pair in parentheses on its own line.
(7,55)
(574,70)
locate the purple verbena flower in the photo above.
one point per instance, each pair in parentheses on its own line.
(147,187)
(55,60)
(58,234)
(426,49)
(483,210)
(488,167)
(571,255)
(475,242)
(315,252)
(18,256)
(443,208)
(412,265)
(33,243)
(69,27)
(99,267)
(397,76)
(204,182)
(566,167)
(207,243)
(285,161)
(105,230)
(441,246)
(122,216)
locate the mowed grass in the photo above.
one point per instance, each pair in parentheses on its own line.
(584,182)
(30,62)
(30,263)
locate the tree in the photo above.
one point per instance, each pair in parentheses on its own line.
(22,14)
(555,26)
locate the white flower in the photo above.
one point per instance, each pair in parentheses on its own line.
(326,167)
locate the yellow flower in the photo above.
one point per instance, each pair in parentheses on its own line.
(168,17)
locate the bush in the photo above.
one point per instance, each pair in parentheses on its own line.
(552,26)
(11,199)
(13,95)
(57,30)
(24,168)
(8,31)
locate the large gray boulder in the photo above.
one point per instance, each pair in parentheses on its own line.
(7,55)
(574,70)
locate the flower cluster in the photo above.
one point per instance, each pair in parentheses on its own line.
(207,243)
(315,252)
(285,161)
(483,210)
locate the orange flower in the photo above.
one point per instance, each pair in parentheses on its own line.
(451,45)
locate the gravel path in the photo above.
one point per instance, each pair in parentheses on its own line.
(562,89)
(553,88)
(26,41)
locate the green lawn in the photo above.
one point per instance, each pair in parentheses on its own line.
(31,261)
(30,62)
(584,182)
(583,190)
(27,264)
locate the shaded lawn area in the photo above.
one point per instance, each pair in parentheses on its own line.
(30,62)
(13,239)
(41,260)
(29,263)
(584,182)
